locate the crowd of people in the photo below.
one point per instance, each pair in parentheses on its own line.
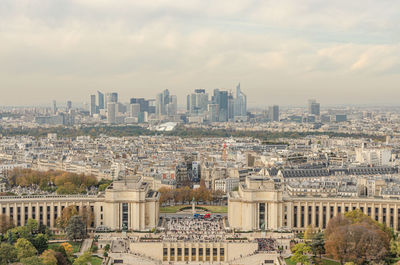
(192,229)
(266,244)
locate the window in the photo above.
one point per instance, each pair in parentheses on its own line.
(261,216)
(125,215)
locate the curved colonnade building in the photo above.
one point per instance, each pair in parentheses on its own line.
(260,203)
(129,204)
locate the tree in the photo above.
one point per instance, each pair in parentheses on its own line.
(8,253)
(318,244)
(76,228)
(300,252)
(66,215)
(40,242)
(6,223)
(25,249)
(32,226)
(87,216)
(83,259)
(34,260)
(49,257)
(69,250)
(309,233)
(61,259)
(356,237)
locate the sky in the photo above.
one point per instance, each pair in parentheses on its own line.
(282,52)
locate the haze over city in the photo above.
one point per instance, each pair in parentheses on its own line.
(282,52)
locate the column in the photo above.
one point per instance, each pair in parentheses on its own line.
(52,215)
(45,213)
(22,214)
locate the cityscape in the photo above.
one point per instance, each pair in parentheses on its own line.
(179,133)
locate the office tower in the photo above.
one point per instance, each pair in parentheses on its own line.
(100,98)
(134,109)
(213,114)
(221,99)
(240,108)
(54,107)
(313,107)
(111,112)
(92,105)
(273,113)
(172,106)
(231,106)
(197,102)
(69,105)
(111,97)
(165,104)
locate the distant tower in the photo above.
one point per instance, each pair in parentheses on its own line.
(69,105)
(92,105)
(111,112)
(100,98)
(54,107)
(313,107)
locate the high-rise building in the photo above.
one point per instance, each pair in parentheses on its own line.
(111,97)
(313,107)
(69,105)
(54,107)
(240,108)
(93,105)
(172,106)
(213,112)
(221,99)
(197,102)
(111,112)
(100,98)
(134,109)
(273,113)
(166,104)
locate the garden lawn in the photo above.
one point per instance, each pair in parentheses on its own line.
(75,245)
(94,260)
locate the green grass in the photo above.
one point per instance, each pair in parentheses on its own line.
(75,245)
(288,262)
(324,262)
(211,208)
(94,260)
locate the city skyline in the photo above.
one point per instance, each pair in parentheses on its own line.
(282,53)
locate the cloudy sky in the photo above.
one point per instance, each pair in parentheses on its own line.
(282,52)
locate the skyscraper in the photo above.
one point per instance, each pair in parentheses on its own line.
(197,102)
(111,112)
(111,97)
(166,104)
(134,110)
(69,105)
(213,112)
(313,107)
(240,103)
(54,107)
(100,98)
(273,113)
(221,99)
(93,105)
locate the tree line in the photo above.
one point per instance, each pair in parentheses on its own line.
(181,131)
(53,180)
(186,195)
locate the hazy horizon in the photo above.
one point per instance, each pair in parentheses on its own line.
(282,52)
